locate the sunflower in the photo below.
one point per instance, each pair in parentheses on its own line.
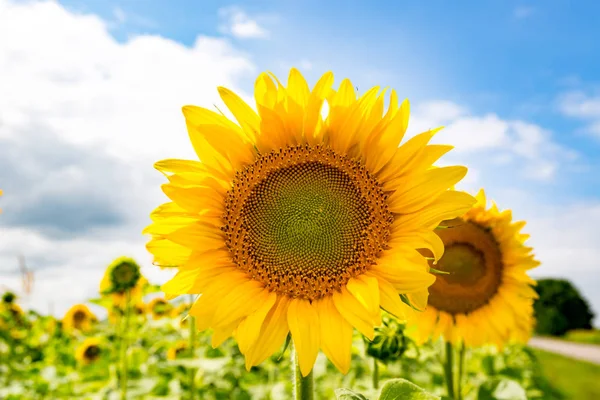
(160,308)
(78,317)
(177,349)
(89,351)
(487,296)
(295,222)
(121,275)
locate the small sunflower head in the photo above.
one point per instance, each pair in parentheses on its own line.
(160,308)
(121,275)
(389,343)
(8,297)
(177,350)
(78,317)
(89,351)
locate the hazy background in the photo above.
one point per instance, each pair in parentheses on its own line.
(90,97)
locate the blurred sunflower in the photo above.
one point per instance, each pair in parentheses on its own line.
(89,351)
(297,223)
(123,275)
(159,308)
(177,349)
(487,297)
(78,317)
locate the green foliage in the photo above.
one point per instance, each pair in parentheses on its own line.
(565,378)
(38,361)
(560,308)
(591,336)
(402,389)
(501,389)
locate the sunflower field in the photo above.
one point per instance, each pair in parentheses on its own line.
(318,253)
(80,357)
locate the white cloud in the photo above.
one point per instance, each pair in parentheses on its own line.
(581,105)
(237,23)
(72,93)
(503,142)
(523,12)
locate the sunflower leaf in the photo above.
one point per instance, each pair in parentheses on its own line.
(347,394)
(396,389)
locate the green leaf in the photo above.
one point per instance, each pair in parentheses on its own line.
(347,394)
(285,345)
(501,389)
(406,301)
(397,389)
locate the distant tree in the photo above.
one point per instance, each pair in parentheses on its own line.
(560,308)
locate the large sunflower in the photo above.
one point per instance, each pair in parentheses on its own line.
(292,222)
(487,297)
(78,317)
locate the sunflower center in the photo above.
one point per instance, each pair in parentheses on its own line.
(474,262)
(124,276)
(92,352)
(304,220)
(79,317)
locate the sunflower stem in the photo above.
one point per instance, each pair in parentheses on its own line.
(124,344)
(303,385)
(449,370)
(192,323)
(375,374)
(461,370)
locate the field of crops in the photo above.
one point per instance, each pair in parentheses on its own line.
(80,357)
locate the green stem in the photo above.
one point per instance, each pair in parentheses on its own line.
(461,370)
(303,385)
(375,374)
(124,344)
(448,369)
(192,323)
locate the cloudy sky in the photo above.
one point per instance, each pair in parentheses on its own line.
(90,97)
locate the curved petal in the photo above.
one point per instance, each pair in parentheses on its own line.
(272,334)
(303,321)
(336,335)
(249,329)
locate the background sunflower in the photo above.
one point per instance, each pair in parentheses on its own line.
(486,295)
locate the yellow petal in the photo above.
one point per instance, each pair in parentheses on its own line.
(272,334)
(243,113)
(424,189)
(419,299)
(448,205)
(239,303)
(354,312)
(312,113)
(390,299)
(336,335)
(221,334)
(249,328)
(405,269)
(303,321)
(230,147)
(196,199)
(198,236)
(366,290)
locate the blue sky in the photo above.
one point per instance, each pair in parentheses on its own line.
(516,83)
(511,58)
